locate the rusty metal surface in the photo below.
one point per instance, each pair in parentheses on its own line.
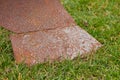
(57,44)
(33,15)
(47,31)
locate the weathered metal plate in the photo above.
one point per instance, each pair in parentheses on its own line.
(32,15)
(50,45)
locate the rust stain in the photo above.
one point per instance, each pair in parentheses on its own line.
(58,44)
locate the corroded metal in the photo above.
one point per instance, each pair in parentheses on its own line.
(50,45)
(33,15)
(47,31)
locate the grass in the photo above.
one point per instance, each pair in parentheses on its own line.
(101,18)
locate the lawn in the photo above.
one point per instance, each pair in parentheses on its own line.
(100,18)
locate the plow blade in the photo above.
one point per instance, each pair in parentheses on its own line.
(23,16)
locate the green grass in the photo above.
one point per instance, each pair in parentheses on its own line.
(101,18)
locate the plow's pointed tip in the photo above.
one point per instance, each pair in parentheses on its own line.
(57,44)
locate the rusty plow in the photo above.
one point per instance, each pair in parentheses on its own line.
(43,31)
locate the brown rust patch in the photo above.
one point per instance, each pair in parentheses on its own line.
(23,16)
